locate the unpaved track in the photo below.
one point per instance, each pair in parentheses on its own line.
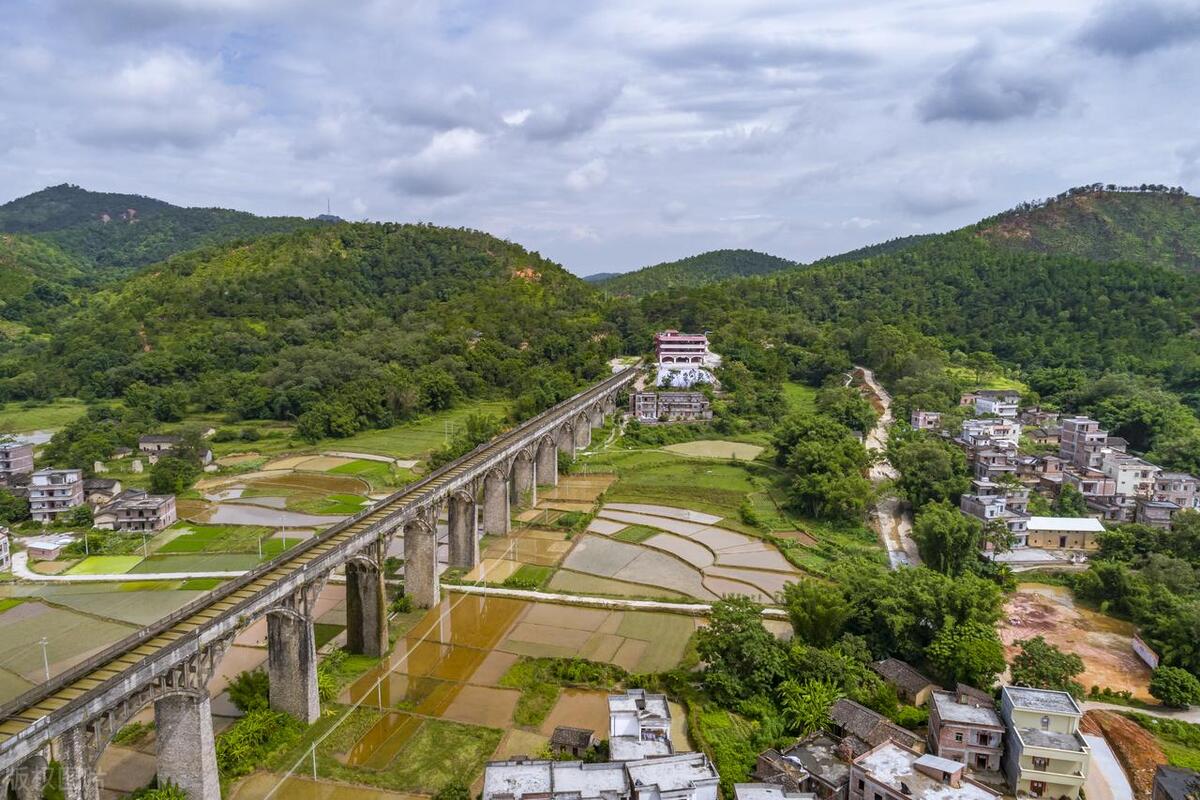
(891,518)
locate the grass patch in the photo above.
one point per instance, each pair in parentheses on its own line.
(133,734)
(10,602)
(105,565)
(201,584)
(343,504)
(418,438)
(985,380)
(198,562)
(728,739)
(437,753)
(24,417)
(529,576)
(1180,740)
(217,539)
(635,534)
(324,632)
(800,397)
(541,679)
(377,473)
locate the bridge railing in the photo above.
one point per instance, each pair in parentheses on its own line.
(14,707)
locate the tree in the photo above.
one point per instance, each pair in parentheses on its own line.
(1175,687)
(12,508)
(80,516)
(947,538)
(743,659)
(817,610)
(930,470)
(1043,666)
(171,475)
(806,705)
(454,790)
(970,654)
(847,406)
(1069,502)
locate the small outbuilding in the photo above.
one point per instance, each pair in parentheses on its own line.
(568,741)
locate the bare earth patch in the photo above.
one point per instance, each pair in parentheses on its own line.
(717,448)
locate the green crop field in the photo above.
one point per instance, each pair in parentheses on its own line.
(18,418)
(199,562)
(217,539)
(105,565)
(800,397)
(418,438)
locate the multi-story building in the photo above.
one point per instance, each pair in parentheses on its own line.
(652,407)
(818,764)
(1008,503)
(673,348)
(1001,402)
(687,776)
(1132,476)
(639,725)
(965,729)
(1093,484)
(991,432)
(1044,753)
(136,511)
(5,552)
(16,459)
(1064,533)
(53,492)
(926,420)
(1155,513)
(1179,488)
(891,771)
(1080,441)
(766,791)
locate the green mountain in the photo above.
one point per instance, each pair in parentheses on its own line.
(116,233)
(715,265)
(1146,225)
(881,249)
(360,323)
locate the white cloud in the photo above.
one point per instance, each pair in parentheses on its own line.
(588,176)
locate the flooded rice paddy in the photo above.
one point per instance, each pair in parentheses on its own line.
(1104,643)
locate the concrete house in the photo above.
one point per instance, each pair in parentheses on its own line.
(156,443)
(100,491)
(653,407)
(1155,513)
(687,776)
(988,501)
(1044,753)
(136,511)
(5,550)
(1064,533)
(1179,488)
(891,771)
(1001,433)
(1080,441)
(818,764)
(767,791)
(16,459)
(867,729)
(53,492)
(1133,476)
(964,728)
(911,686)
(1001,402)
(926,420)
(639,725)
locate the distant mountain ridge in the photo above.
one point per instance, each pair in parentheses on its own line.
(117,233)
(697,270)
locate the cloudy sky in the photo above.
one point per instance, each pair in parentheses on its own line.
(605,135)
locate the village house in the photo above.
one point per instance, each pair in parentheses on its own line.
(5,550)
(991,432)
(1064,533)
(817,764)
(639,725)
(1132,476)
(1175,783)
(1044,435)
(1155,513)
(911,686)
(988,501)
(994,464)
(1044,753)
(53,492)
(767,791)
(156,443)
(1080,441)
(100,491)
(687,776)
(654,407)
(568,741)
(1094,485)
(926,420)
(1036,415)
(1000,402)
(891,771)
(16,458)
(967,729)
(47,548)
(1179,488)
(867,729)
(136,511)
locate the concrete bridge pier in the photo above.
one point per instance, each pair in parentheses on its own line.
(27,782)
(496,517)
(79,779)
(596,417)
(524,484)
(464,538)
(292,665)
(187,750)
(547,463)
(583,432)
(566,441)
(366,608)
(421,580)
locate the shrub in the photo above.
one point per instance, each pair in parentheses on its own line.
(1174,687)
(250,691)
(252,739)
(402,604)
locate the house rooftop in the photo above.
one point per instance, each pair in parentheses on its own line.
(1066,524)
(1053,740)
(567,736)
(1176,476)
(972,712)
(901,674)
(904,771)
(1025,697)
(672,773)
(519,777)
(160,438)
(1177,783)
(817,754)
(870,727)
(767,791)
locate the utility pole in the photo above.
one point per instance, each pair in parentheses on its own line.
(45,643)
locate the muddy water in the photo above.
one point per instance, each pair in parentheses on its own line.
(1104,643)
(245,514)
(259,785)
(380,744)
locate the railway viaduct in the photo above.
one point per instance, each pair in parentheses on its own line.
(73,717)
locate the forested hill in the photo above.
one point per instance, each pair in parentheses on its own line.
(710,267)
(1151,225)
(881,249)
(377,321)
(116,233)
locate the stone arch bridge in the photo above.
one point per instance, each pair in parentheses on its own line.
(73,717)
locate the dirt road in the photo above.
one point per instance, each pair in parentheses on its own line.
(891,518)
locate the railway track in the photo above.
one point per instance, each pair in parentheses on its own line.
(72,688)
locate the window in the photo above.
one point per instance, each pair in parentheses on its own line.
(1045,723)
(1036,788)
(1040,763)
(860,784)
(958,737)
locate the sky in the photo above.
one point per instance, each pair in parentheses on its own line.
(610,135)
